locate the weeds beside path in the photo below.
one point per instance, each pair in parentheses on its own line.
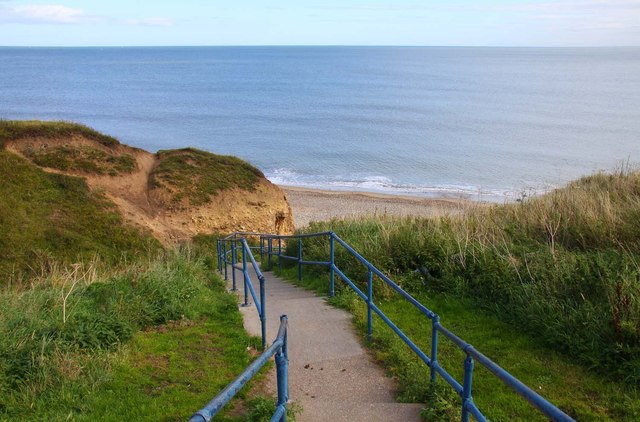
(155,341)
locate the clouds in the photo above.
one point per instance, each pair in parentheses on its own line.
(44,14)
(57,14)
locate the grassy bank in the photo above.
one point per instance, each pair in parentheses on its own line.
(578,391)
(157,340)
(563,268)
(50,219)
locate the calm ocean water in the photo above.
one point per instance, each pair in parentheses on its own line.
(488,123)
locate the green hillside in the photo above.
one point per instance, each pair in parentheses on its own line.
(47,218)
(97,321)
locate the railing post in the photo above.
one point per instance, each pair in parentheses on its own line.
(466,387)
(282,374)
(269,252)
(299,259)
(245,274)
(263,313)
(261,250)
(233,263)
(369,303)
(280,253)
(332,265)
(224,259)
(434,347)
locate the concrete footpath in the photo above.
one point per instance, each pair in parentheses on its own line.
(331,376)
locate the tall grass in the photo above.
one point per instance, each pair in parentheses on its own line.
(59,337)
(564,266)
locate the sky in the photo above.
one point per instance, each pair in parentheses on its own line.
(331,22)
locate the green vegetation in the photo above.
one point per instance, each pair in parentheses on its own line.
(157,340)
(195,176)
(97,321)
(13,130)
(564,268)
(82,158)
(69,157)
(580,392)
(51,219)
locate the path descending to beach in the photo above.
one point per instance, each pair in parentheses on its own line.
(331,375)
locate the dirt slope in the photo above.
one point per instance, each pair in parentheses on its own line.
(125,175)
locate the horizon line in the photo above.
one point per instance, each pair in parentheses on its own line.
(317,45)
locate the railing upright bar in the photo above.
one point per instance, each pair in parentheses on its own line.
(261,249)
(434,348)
(233,265)
(279,253)
(332,264)
(263,313)
(282,365)
(299,259)
(245,274)
(369,304)
(466,388)
(269,252)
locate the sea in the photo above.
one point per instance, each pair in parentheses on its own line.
(492,124)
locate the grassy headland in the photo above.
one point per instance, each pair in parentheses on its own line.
(564,268)
(195,176)
(97,320)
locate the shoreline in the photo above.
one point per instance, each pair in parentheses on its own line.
(310,204)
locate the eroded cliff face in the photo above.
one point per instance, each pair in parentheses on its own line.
(201,194)
(263,210)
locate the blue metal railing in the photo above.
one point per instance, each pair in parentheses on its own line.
(234,241)
(464,390)
(277,348)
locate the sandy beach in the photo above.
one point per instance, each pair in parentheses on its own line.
(320,205)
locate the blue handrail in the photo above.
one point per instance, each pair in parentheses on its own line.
(279,349)
(223,260)
(464,390)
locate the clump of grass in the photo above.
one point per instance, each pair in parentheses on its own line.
(47,218)
(84,159)
(564,266)
(261,409)
(192,176)
(11,130)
